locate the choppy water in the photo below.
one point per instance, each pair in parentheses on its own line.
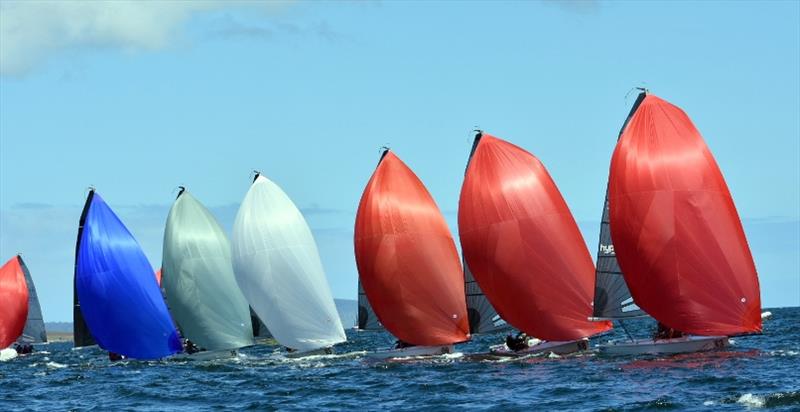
(757,372)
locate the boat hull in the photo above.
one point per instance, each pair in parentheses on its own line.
(314,352)
(410,352)
(207,355)
(557,347)
(7,354)
(685,344)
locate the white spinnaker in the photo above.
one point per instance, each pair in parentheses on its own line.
(278,268)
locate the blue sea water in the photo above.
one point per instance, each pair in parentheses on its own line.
(756,372)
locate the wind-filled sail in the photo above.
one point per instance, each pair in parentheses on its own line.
(612,299)
(367,319)
(278,268)
(119,297)
(407,261)
(483,317)
(14,301)
(677,235)
(200,286)
(523,245)
(34,331)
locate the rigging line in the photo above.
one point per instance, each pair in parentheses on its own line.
(622,323)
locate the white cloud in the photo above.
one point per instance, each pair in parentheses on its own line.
(31,31)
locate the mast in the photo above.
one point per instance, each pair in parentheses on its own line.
(483,317)
(81,334)
(612,299)
(34,327)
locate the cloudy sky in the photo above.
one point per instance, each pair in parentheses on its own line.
(136,98)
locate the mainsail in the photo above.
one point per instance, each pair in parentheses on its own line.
(34,331)
(278,268)
(120,298)
(483,317)
(367,319)
(81,335)
(612,299)
(200,286)
(676,231)
(407,261)
(14,295)
(523,245)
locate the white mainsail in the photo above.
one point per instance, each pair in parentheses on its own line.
(279,270)
(197,276)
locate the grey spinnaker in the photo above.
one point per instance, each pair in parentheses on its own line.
(198,279)
(81,335)
(483,317)
(367,319)
(612,299)
(34,331)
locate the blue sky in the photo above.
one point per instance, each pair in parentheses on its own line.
(137,98)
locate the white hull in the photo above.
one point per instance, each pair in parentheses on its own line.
(410,352)
(538,346)
(207,355)
(314,352)
(7,354)
(684,344)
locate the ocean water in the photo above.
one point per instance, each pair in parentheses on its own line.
(756,372)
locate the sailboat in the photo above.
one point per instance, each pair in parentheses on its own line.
(525,250)
(200,286)
(679,253)
(117,293)
(278,268)
(14,295)
(408,263)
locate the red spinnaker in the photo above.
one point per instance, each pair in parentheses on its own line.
(523,245)
(677,235)
(14,300)
(158,276)
(407,260)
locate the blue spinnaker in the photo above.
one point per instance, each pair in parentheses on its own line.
(120,298)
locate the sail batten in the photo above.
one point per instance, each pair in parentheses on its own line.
(278,268)
(199,282)
(522,244)
(407,261)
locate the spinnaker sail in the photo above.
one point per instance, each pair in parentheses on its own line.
(676,231)
(14,298)
(278,268)
(34,331)
(119,297)
(200,286)
(523,245)
(407,260)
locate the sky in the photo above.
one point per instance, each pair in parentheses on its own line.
(138,98)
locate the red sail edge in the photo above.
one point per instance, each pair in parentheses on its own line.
(677,235)
(407,260)
(523,245)
(14,295)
